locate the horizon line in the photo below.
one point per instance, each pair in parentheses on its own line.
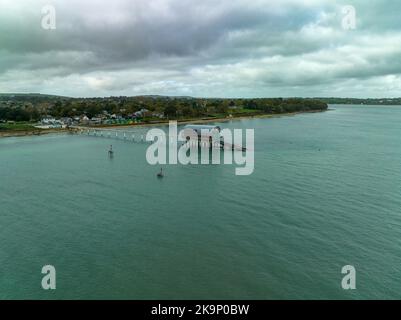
(192,97)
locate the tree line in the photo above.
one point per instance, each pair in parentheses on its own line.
(26,108)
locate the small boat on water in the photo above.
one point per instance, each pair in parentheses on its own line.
(160,174)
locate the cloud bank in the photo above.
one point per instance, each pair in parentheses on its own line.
(229,48)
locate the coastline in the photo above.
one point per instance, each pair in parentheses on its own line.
(209,120)
(15,134)
(12,134)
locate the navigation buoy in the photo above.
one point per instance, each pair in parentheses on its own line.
(111,152)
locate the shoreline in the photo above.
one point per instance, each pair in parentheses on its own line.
(35,133)
(210,120)
(13,134)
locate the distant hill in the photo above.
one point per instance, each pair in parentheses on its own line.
(30,97)
(39,97)
(383,101)
(35,95)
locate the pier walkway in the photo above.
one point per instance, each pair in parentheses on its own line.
(139,136)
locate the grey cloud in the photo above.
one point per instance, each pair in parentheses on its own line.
(211,48)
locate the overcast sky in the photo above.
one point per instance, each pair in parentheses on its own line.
(203,48)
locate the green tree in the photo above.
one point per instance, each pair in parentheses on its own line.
(170,111)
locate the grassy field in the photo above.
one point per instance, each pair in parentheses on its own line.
(17,127)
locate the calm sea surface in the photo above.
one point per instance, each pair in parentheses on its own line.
(326,192)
